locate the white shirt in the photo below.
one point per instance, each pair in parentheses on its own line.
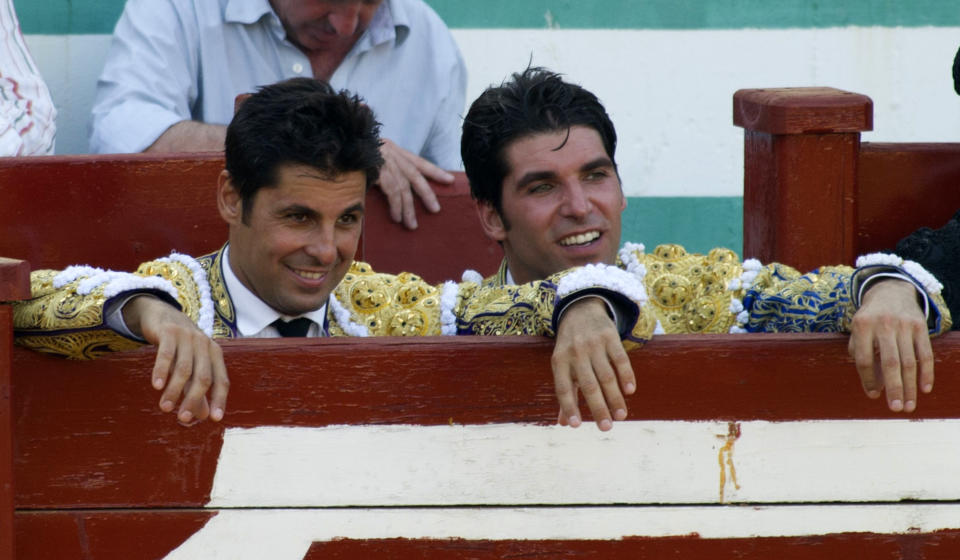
(175,60)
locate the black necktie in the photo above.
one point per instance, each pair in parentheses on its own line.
(296,327)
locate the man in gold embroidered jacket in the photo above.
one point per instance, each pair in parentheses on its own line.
(299,159)
(539,155)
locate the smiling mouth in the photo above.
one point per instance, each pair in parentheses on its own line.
(308,275)
(580,238)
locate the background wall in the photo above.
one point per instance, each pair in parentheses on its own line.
(665,69)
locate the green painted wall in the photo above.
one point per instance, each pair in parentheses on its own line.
(57,17)
(699,223)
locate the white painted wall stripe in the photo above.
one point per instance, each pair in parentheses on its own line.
(287,534)
(636,463)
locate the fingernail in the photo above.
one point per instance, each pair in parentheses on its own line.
(574,421)
(927,388)
(630,388)
(620,414)
(185,416)
(605,425)
(157,383)
(896,405)
(166,406)
(217,414)
(873,394)
(910,406)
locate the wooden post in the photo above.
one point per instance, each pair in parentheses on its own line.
(14,285)
(800,168)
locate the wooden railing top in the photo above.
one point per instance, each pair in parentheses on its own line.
(802,110)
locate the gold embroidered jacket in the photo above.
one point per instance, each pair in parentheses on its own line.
(717,293)
(66,313)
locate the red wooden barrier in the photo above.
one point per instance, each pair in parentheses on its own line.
(101,473)
(14,285)
(814,194)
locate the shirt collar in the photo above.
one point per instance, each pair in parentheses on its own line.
(247,11)
(253,315)
(390,22)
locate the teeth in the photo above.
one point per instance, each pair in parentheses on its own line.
(309,275)
(580,239)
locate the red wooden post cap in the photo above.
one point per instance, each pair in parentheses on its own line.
(802,110)
(14,279)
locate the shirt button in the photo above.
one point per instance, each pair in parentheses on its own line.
(298,68)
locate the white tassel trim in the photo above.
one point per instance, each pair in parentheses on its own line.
(71,273)
(881,259)
(114,282)
(751,268)
(471,275)
(630,255)
(342,316)
(205,318)
(448,300)
(922,275)
(914,269)
(658,329)
(603,276)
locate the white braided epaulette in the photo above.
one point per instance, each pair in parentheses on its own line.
(471,275)
(603,276)
(448,300)
(751,268)
(342,316)
(914,269)
(113,282)
(205,316)
(630,255)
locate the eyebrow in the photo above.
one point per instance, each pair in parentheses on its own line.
(532,176)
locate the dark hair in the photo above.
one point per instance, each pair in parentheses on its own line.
(300,121)
(531,102)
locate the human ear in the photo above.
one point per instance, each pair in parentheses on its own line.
(229,201)
(491,221)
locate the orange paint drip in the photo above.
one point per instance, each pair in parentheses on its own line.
(725,458)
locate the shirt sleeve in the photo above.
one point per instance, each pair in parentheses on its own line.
(150,79)
(443,145)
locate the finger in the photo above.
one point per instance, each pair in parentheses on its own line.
(182,370)
(195,403)
(409,209)
(908,372)
(566,393)
(161,366)
(425,192)
(591,388)
(433,172)
(391,183)
(604,371)
(861,348)
(411,176)
(221,385)
(924,353)
(890,369)
(621,363)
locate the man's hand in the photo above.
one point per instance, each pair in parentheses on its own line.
(188,364)
(889,342)
(588,355)
(404,173)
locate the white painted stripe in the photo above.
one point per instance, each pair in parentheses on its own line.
(636,463)
(669,92)
(287,534)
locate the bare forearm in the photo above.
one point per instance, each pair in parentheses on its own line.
(190,136)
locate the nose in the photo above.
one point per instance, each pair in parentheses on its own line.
(576,202)
(321,245)
(345,19)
